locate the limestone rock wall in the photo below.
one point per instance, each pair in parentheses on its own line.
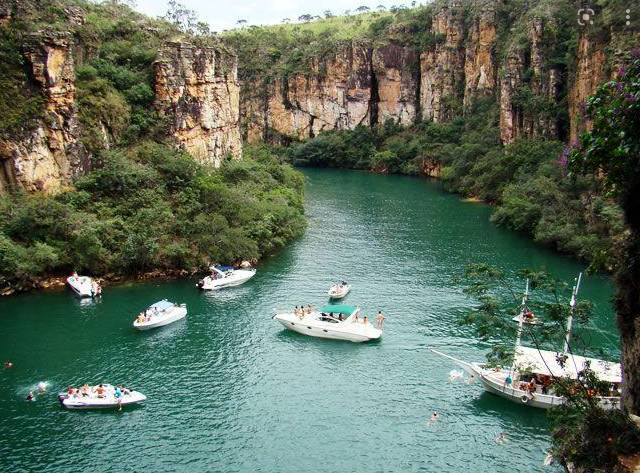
(480,68)
(197,91)
(442,67)
(46,157)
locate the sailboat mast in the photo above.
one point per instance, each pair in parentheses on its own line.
(572,306)
(525,297)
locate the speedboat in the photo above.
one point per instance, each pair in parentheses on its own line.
(225,276)
(339,290)
(84,286)
(337,322)
(103,396)
(531,377)
(160,314)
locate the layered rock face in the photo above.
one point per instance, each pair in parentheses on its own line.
(47,156)
(197,90)
(442,68)
(359,85)
(480,65)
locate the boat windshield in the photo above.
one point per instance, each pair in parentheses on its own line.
(343,309)
(162,305)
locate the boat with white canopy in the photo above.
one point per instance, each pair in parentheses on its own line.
(84,286)
(160,314)
(225,276)
(531,377)
(339,290)
(337,322)
(101,396)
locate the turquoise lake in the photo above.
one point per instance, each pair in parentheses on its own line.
(229,390)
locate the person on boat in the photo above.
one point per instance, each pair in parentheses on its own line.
(340,317)
(355,319)
(100,391)
(85,390)
(30,396)
(8,364)
(140,318)
(508,380)
(365,320)
(309,309)
(71,390)
(379,320)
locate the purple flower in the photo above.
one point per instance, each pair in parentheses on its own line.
(631,98)
(621,71)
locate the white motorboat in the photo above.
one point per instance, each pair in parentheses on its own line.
(339,290)
(531,377)
(84,286)
(338,322)
(102,396)
(225,276)
(160,314)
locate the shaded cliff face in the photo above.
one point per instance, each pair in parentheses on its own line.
(197,91)
(46,157)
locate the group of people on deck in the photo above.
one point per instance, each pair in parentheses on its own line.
(99,391)
(302,311)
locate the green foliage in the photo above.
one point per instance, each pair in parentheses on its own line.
(149,207)
(20,103)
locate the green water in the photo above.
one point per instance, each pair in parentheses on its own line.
(229,390)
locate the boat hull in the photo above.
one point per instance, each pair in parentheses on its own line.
(106,403)
(313,328)
(336,295)
(177,314)
(80,289)
(239,277)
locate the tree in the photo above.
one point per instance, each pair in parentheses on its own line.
(241,22)
(306,18)
(328,14)
(612,150)
(362,9)
(381,7)
(181,16)
(286,20)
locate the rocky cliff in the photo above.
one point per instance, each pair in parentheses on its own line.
(46,156)
(197,91)
(475,52)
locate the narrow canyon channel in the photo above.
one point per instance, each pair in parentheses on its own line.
(230,390)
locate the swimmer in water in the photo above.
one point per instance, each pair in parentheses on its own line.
(501,437)
(30,396)
(8,364)
(434,417)
(42,387)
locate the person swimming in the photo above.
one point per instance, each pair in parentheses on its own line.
(8,364)
(434,417)
(30,396)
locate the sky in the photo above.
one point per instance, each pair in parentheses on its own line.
(222,14)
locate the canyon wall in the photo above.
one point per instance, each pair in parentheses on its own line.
(197,91)
(45,156)
(466,60)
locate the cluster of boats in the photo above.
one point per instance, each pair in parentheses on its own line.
(530,379)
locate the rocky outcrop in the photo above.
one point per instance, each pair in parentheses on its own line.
(358,85)
(396,76)
(442,67)
(529,90)
(49,154)
(197,91)
(480,67)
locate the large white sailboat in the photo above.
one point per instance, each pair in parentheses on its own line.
(530,379)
